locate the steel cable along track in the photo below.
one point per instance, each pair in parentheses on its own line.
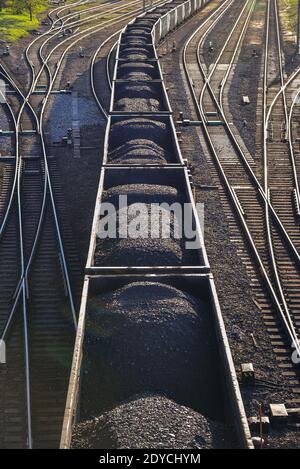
(270,242)
(33,412)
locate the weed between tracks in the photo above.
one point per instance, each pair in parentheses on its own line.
(289,11)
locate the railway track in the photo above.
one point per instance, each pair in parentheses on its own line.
(40,270)
(140,158)
(271,255)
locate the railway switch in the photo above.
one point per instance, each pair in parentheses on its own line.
(248,374)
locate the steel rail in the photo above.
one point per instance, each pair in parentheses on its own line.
(47,174)
(290,332)
(95,27)
(47,184)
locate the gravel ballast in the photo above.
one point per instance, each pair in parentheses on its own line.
(149,421)
(149,337)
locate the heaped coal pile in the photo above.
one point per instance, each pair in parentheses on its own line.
(141,97)
(140,152)
(142,53)
(133,41)
(128,129)
(149,421)
(149,337)
(128,71)
(148,235)
(146,22)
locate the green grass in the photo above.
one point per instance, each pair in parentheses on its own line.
(289,10)
(13,26)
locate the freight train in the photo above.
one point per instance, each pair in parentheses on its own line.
(151,343)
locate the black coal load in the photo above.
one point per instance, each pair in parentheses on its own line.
(133,41)
(140,26)
(149,421)
(146,22)
(128,49)
(149,337)
(139,151)
(139,97)
(136,53)
(161,10)
(135,31)
(129,71)
(127,129)
(138,240)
